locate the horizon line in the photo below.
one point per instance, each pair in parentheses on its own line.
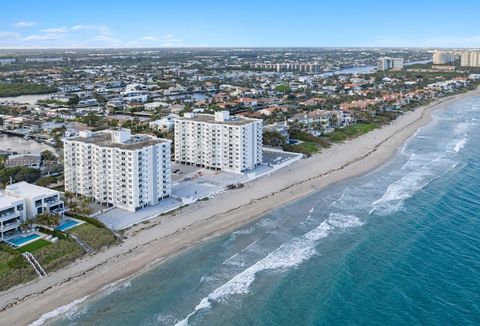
(237,47)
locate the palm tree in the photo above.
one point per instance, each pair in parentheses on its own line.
(84,206)
(334,120)
(25,225)
(47,219)
(68,197)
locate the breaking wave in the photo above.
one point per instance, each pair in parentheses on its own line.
(57,312)
(288,255)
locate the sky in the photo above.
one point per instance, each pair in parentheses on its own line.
(245,23)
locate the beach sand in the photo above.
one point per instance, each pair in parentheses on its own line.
(169,234)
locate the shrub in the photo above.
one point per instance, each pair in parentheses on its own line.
(8,249)
(18,262)
(55,233)
(13,277)
(58,255)
(93,236)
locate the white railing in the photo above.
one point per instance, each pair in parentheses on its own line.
(35,264)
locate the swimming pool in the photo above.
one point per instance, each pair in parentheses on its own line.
(67,224)
(18,241)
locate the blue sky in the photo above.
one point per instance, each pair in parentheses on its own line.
(215,23)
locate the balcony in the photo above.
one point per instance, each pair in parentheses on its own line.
(9,226)
(8,216)
(52,205)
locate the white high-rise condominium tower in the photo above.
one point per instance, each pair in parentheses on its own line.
(219,142)
(443,57)
(387,63)
(470,59)
(116,168)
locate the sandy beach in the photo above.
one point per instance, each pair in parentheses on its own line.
(166,235)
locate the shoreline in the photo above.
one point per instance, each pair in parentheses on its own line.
(149,244)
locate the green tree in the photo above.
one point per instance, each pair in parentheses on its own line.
(48,156)
(47,219)
(273,138)
(283,89)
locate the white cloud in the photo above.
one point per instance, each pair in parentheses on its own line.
(23,24)
(82,36)
(167,40)
(99,28)
(44,37)
(62,29)
(9,35)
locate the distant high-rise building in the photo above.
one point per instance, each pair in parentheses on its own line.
(470,59)
(387,63)
(443,57)
(290,66)
(7,61)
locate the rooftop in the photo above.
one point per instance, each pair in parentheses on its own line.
(27,190)
(210,118)
(7,200)
(105,138)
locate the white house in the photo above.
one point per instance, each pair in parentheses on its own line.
(165,123)
(37,199)
(21,201)
(12,214)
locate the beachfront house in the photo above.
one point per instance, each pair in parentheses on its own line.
(22,201)
(37,199)
(319,122)
(12,215)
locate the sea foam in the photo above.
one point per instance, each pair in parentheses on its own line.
(57,312)
(288,255)
(460,144)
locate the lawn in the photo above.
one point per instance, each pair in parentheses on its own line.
(307,147)
(349,132)
(31,247)
(94,236)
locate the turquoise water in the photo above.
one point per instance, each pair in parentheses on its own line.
(67,224)
(20,240)
(398,246)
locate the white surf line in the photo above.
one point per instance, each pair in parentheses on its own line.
(57,312)
(290,254)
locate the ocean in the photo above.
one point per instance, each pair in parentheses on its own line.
(397,246)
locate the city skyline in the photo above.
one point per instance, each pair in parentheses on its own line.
(55,24)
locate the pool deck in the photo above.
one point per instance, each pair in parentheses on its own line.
(40,236)
(79,222)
